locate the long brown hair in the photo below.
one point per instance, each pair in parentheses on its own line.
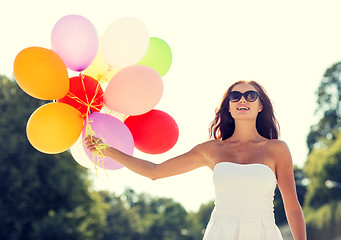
(222,127)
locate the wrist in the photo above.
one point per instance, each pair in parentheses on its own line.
(106,150)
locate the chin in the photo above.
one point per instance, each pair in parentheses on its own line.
(244,116)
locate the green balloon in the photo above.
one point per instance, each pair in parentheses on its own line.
(158,56)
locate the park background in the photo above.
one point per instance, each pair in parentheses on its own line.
(285,46)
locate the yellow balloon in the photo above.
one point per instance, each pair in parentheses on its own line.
(99,70)
(54,127)
(41,73)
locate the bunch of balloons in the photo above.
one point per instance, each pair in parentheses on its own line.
(118,84)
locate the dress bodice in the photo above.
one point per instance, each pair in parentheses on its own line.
(244,189)
(244,203)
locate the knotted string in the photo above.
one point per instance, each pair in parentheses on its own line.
(103,78)
(88,104)
(100,143)
(100,146)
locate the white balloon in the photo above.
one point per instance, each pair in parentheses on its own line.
(124,42)
(78,153)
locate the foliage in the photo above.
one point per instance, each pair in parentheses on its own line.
(121,222)
(329,108)
(204,213)
(322,165)
(140,216)
(321,209)
(324,223)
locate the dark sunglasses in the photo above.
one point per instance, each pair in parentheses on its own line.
(249,96)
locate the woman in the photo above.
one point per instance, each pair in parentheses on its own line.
(247,161)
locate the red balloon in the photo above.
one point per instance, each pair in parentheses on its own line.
(84,91)
(154,132)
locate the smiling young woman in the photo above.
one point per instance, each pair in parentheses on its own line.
(247,161)
(246,127)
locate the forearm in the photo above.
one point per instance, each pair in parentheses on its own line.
(297,224)
(174,166)
(139,166)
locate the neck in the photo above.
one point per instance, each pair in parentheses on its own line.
(245,131)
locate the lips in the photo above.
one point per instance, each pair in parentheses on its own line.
(243,108)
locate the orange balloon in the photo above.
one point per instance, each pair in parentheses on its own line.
(54,127)
(41,73)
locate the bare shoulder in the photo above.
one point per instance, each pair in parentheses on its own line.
(277,144)
(279,150)
(206,148)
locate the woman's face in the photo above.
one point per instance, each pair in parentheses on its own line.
(243,109)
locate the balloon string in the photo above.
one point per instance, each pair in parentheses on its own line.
(86,96)
(89,106)
(103,78)
(97,154)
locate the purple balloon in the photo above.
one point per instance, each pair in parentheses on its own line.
(74,38)
(114,132)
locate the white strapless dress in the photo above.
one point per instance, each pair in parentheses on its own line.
(244,203)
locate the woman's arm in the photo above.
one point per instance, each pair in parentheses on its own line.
(286,184)
(191,160)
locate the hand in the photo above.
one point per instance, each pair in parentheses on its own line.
(92,143)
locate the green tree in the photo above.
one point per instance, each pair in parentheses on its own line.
(324,223)
(140,216)
(328,108)
(42,196)
(321,205)
(121,222)
(204,213)
(199,220)
(323,164)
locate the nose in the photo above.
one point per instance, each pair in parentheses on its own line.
(242,99)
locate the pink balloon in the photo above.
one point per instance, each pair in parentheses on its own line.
(134,90)
(114,132)
(75,40)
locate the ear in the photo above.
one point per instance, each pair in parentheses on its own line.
(260,108)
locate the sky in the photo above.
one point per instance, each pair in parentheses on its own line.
(284,45)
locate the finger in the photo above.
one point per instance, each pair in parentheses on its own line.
(91,148)
(93,138)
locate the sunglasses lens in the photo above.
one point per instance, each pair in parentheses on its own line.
(251,96)
(235,96)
